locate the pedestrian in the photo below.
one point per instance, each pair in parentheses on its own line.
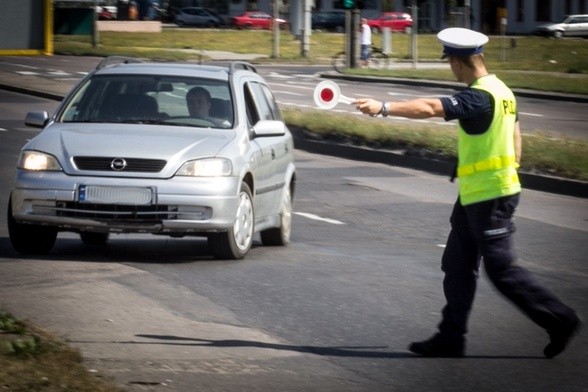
(366,42)
(489,151)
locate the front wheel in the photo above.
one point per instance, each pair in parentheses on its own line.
(30,239)
(280,236)
(236,242)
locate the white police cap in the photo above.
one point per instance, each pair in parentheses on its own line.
(458,41)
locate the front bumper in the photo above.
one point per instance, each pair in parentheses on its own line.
(177,206)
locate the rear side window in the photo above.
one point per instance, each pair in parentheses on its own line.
(261,103)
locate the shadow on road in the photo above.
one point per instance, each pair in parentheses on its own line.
(337,351)
(125,248)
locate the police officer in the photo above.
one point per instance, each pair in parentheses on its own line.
(489,150)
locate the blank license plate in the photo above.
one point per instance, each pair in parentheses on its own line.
(115,195)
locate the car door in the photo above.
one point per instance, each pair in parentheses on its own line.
(272,154)
(578,26)
(202,18)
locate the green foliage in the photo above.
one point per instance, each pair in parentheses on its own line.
(34,360)
(27,345)
(8,324)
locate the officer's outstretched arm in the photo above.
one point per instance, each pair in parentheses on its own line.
(416,108)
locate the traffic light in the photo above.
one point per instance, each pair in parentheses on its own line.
(349,4)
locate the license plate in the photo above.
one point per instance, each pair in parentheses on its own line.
(115,195)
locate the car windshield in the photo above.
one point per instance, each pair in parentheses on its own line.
(148,99)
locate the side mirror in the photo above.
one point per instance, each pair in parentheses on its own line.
(266,128)
(36,119)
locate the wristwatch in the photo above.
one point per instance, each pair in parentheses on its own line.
(384,110)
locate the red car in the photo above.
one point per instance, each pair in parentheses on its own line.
(255,20)
(395,21)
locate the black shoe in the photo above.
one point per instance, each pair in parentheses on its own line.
(438,346)
(560,338)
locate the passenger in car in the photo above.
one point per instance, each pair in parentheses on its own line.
(199,105)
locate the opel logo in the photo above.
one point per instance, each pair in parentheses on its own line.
(118,164)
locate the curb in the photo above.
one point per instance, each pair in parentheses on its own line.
(35,93)
(542,183)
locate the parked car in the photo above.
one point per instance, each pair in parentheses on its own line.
(395,21)
(106,12)
(572,26)
(198,16)
(334,21)
(255,20)
(123,153)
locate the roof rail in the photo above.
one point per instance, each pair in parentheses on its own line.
(235,65)
(112,60)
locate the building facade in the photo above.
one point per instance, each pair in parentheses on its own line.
(521,16)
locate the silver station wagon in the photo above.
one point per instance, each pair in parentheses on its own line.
(173,149)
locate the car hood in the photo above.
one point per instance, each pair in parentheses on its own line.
(170,143)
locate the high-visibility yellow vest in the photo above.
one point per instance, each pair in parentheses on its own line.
(487,167)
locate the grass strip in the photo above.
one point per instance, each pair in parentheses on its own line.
(32,359)
(542,153)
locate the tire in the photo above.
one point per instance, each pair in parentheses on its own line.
(339,62)
(280,236)
(378,60)
(408,30)
(236,242)
(30,239)
(375,30)
(558,34)
(90,238)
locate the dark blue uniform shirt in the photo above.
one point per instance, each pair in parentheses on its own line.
(474,108)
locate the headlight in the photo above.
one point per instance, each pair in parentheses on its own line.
(38,161)
(211,167)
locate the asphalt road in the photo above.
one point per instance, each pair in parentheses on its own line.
(334,311)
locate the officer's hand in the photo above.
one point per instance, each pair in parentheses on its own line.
(368,106)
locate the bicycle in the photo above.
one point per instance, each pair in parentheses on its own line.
(377,60)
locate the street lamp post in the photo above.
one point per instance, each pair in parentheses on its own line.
(95,33)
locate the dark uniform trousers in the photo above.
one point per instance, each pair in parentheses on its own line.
(484,231)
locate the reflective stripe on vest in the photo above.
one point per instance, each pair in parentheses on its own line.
(494,163)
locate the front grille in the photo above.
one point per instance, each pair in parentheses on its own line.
(132,164)
(115,212)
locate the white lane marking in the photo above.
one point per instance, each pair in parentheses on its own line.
(318,218)
(441,245)
(292,86)
(3,130)
(59,73)
(288,93)
(279,76)
(27,73)
(531,114)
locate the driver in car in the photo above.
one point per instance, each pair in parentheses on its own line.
(199,102)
